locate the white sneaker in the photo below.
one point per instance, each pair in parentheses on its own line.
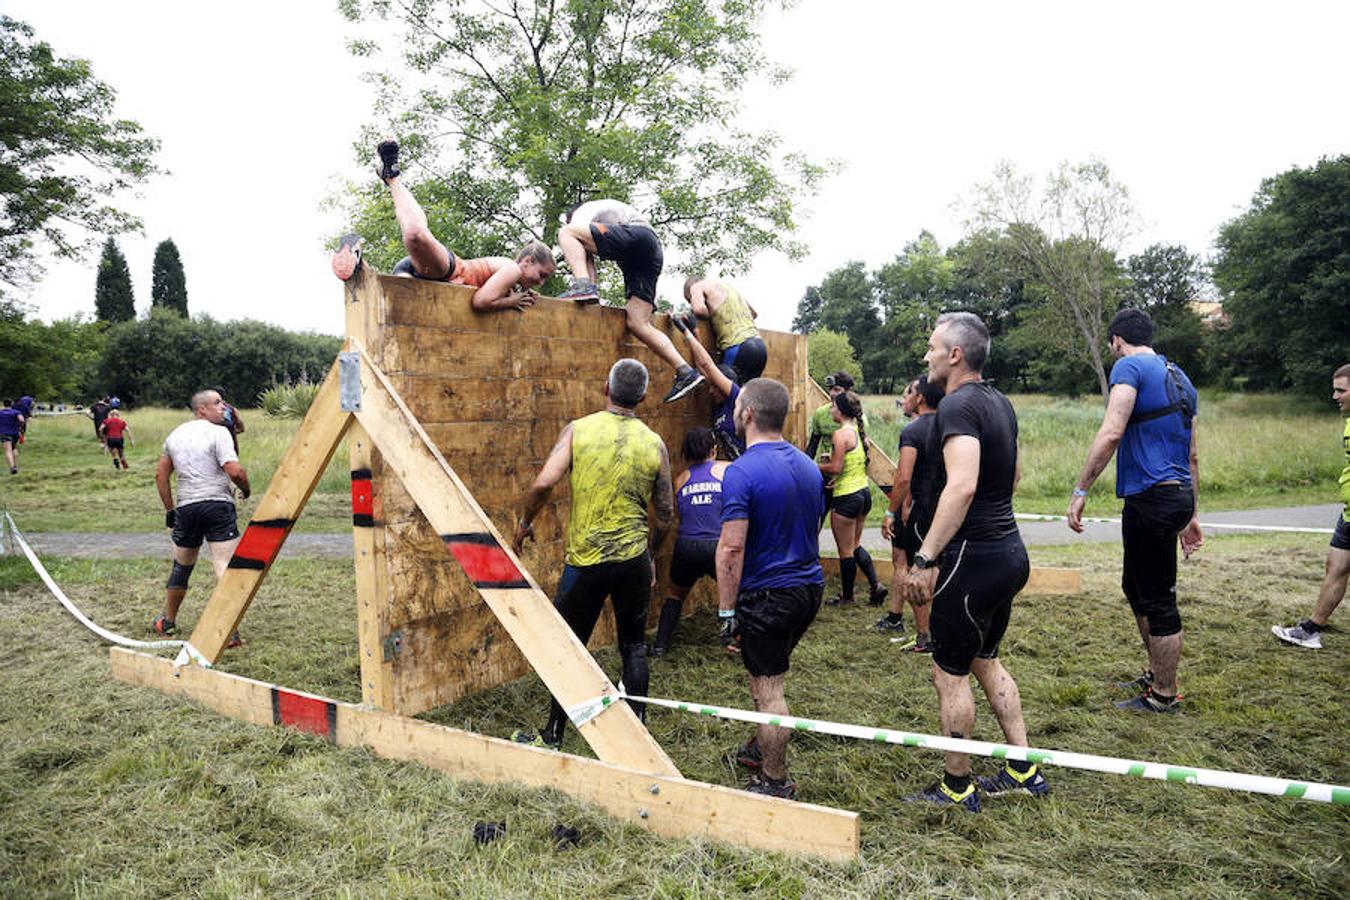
(1297,634)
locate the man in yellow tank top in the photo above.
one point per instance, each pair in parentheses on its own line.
(618,467)
(733,324)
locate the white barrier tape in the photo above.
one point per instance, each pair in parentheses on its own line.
(1233,781)
(584,712)
(84,620)
(1237,526)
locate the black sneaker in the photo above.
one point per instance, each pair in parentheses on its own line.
(1150,702)
(581,290)
(888,626)
(534,739)
(748,755)
(685,381)
(840,600)
(878,595)
(388,151)
(923,643)
(760,784)
(347,258)
(939,794)
(1010,781)
(1141,682)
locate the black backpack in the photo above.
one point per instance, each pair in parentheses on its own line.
(1179,399)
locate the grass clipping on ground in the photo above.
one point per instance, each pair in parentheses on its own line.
(111,790)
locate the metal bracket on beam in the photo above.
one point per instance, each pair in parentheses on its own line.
(349,382)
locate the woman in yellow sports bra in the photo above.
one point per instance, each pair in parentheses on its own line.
(852,498)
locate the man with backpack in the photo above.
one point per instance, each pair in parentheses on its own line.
(1150,417)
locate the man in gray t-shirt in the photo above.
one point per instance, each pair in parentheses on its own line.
(202,454)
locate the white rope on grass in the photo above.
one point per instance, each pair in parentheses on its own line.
(1237,526)
(1233,781)
(84,620)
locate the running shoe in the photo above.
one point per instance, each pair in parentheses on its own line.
(1141,682)
(685,381)
(886,626)
(878,595)
(163,625)
(234,641)
(839,600)
(1010,781)
(922,644)
(533,739)
(748,755)
(658,651)
(581,290)
(939,794)
(347,259)
(116,463)
(124,464)
(388,168)
(1151,703)
(1299,634)
(14,470)
(760,784)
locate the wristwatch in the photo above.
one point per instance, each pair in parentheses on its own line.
(923,562)
(1079,492)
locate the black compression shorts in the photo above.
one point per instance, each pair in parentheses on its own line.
(977,581)
(637,250)
(748,358)
(692,560)
(405,267)
(628,584)
(1340,538)
(1149,524)
(853,506)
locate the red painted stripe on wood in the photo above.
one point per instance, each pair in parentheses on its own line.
(485,562)
(363,503)
(261,543)
(309,714)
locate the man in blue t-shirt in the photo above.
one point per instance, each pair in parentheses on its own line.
(769,580)
(1150,416)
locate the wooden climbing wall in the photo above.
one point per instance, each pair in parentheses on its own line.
(493,391)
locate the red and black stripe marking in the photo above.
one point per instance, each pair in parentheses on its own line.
(484,560)
(363,499)
(312,714)
(260,543)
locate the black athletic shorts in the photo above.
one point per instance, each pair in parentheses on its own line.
(747,358)
(116,443)
(1149,524)
(1340,538)
(771,623)
(583,589)
(909,537)
(215,520)
(405,267)
(977,581)
(854,505)
(9,438)
(692,560)
(637,250)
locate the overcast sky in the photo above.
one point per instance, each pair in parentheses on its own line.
(1191,104)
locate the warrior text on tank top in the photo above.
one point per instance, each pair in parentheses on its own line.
(700,502)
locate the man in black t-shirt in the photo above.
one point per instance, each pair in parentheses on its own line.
(972,562)
(913,499)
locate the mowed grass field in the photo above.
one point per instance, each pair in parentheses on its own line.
(1255,450)
(112,791)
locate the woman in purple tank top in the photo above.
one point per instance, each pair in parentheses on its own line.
(698,496)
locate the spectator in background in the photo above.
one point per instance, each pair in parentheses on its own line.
(11,427)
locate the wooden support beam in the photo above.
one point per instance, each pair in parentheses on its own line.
(292,483)
(666,805)
(372,584)
(1043,579)
(561,661)
(880,466)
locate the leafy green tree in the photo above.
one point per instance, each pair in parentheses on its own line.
(510,113)
(1065,232)
(1163,280)
(807,319)
(848,306)
(1284,269)
(49,362)
(168,283)
(829,351)
(114,300)
(913,289)
(64,155)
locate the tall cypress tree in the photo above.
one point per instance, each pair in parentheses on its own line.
(168,283)
(113,298)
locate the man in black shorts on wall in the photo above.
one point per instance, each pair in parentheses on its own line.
(611,229)
(972,563)
(769,580)
(918,470)
(202,454)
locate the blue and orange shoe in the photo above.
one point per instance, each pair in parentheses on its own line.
(163,625)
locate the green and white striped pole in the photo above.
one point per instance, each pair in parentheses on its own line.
(1233,781)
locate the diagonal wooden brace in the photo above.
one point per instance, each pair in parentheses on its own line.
(300,470)
(560,659)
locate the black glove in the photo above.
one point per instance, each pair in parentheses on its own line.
(730,630)
(680,323)
(170,518)
(244,492)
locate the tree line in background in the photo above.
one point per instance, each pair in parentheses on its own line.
(1042,265)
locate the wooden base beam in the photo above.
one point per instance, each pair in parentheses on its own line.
(1044,580)
(666,805)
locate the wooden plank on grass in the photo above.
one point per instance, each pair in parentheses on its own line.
(292,483)
(561,661)
(1043,580)
(666,805)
